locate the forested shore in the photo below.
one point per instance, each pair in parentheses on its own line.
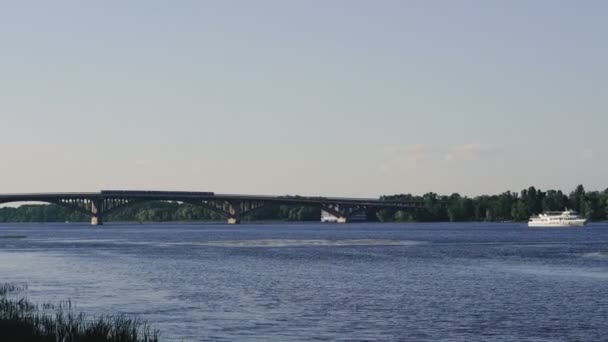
(507,206)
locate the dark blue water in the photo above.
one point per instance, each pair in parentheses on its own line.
(279,282)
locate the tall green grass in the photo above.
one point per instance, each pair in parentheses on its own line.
(24,321)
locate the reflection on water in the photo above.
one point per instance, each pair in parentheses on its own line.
(299,243)
(557,271)
(597,255)
(418,282)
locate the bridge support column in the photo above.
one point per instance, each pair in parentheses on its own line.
(235,213)
(97,213)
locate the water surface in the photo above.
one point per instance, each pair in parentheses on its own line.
(364,281)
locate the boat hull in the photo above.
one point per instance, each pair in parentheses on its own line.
(569,224)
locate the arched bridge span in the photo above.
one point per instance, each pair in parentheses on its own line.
(232,207)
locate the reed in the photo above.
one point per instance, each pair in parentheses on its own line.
(24,321)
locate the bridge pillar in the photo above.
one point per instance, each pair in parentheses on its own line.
(235,213)
(97,212)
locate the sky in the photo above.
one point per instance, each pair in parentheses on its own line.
(315,97)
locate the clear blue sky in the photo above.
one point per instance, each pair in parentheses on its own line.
(354,98)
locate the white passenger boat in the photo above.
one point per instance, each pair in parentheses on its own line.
(566,218)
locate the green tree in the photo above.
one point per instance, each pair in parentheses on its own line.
(577,197)
(519,211)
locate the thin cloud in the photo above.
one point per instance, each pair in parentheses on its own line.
(405,156)
(587,154)
(471,152)
(143,162)
(422,155)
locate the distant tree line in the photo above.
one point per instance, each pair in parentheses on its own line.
(173,211)
(508,206)
(40,213)
(154,211)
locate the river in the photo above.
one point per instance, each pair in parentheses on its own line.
(326,282)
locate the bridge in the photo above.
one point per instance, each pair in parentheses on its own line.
(231,207)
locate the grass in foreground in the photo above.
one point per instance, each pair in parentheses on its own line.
(23,321)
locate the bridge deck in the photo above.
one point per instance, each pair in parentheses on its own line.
(231,206)
(189,195)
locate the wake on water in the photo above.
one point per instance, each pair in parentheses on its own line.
(299,243)
(596,255)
